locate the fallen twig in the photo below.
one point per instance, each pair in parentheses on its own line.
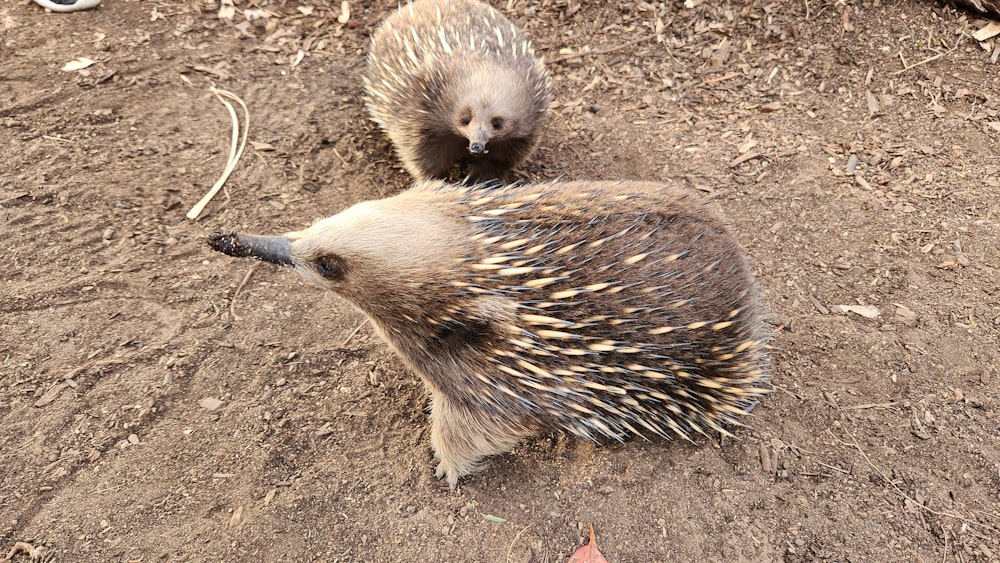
(869,406)
(931,58)
(572,56)
(923,62)
(353,332)
(510,549)
(239,288)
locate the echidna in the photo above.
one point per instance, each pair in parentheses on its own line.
(602,308)
(450,79)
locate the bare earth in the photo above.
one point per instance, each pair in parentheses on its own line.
(879,443)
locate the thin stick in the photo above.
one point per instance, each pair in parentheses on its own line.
(834,468)
(869,406)
(239,288)
(353,332)
(510,549)
(925,61)
(572,56)
(234,152)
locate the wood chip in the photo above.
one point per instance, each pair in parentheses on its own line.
(324,430)
(210,403)
(991,30)
(831,399)
(741,159)
(819,306)
(237,518)
(872,101)
(50,395)
(764,453)
(866,311)
(904,313)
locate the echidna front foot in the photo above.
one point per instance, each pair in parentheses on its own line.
(452,473)
(461,441)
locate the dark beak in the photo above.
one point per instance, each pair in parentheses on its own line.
(276,250)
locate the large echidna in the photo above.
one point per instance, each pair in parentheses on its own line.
(601,308)
(454,79)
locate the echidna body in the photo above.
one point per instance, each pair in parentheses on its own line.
(605,309)
(454,79)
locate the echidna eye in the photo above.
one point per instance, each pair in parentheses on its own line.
(466,120)
(330,266)
(497,124)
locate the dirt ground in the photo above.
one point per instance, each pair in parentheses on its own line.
(147,415)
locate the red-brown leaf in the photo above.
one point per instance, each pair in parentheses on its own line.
(588,553)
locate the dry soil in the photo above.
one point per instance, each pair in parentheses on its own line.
(150,412)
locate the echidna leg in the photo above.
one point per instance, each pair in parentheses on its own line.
(436,155)
(461,441)
(491,168)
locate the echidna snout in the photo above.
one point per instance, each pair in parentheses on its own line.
(604,309)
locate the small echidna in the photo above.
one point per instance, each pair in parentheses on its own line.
(454,79)
(602,308)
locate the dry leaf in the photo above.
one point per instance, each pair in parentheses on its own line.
(78,64)
(305,10)
(262,146)
(588,553)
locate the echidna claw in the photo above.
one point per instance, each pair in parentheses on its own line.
(451,473)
